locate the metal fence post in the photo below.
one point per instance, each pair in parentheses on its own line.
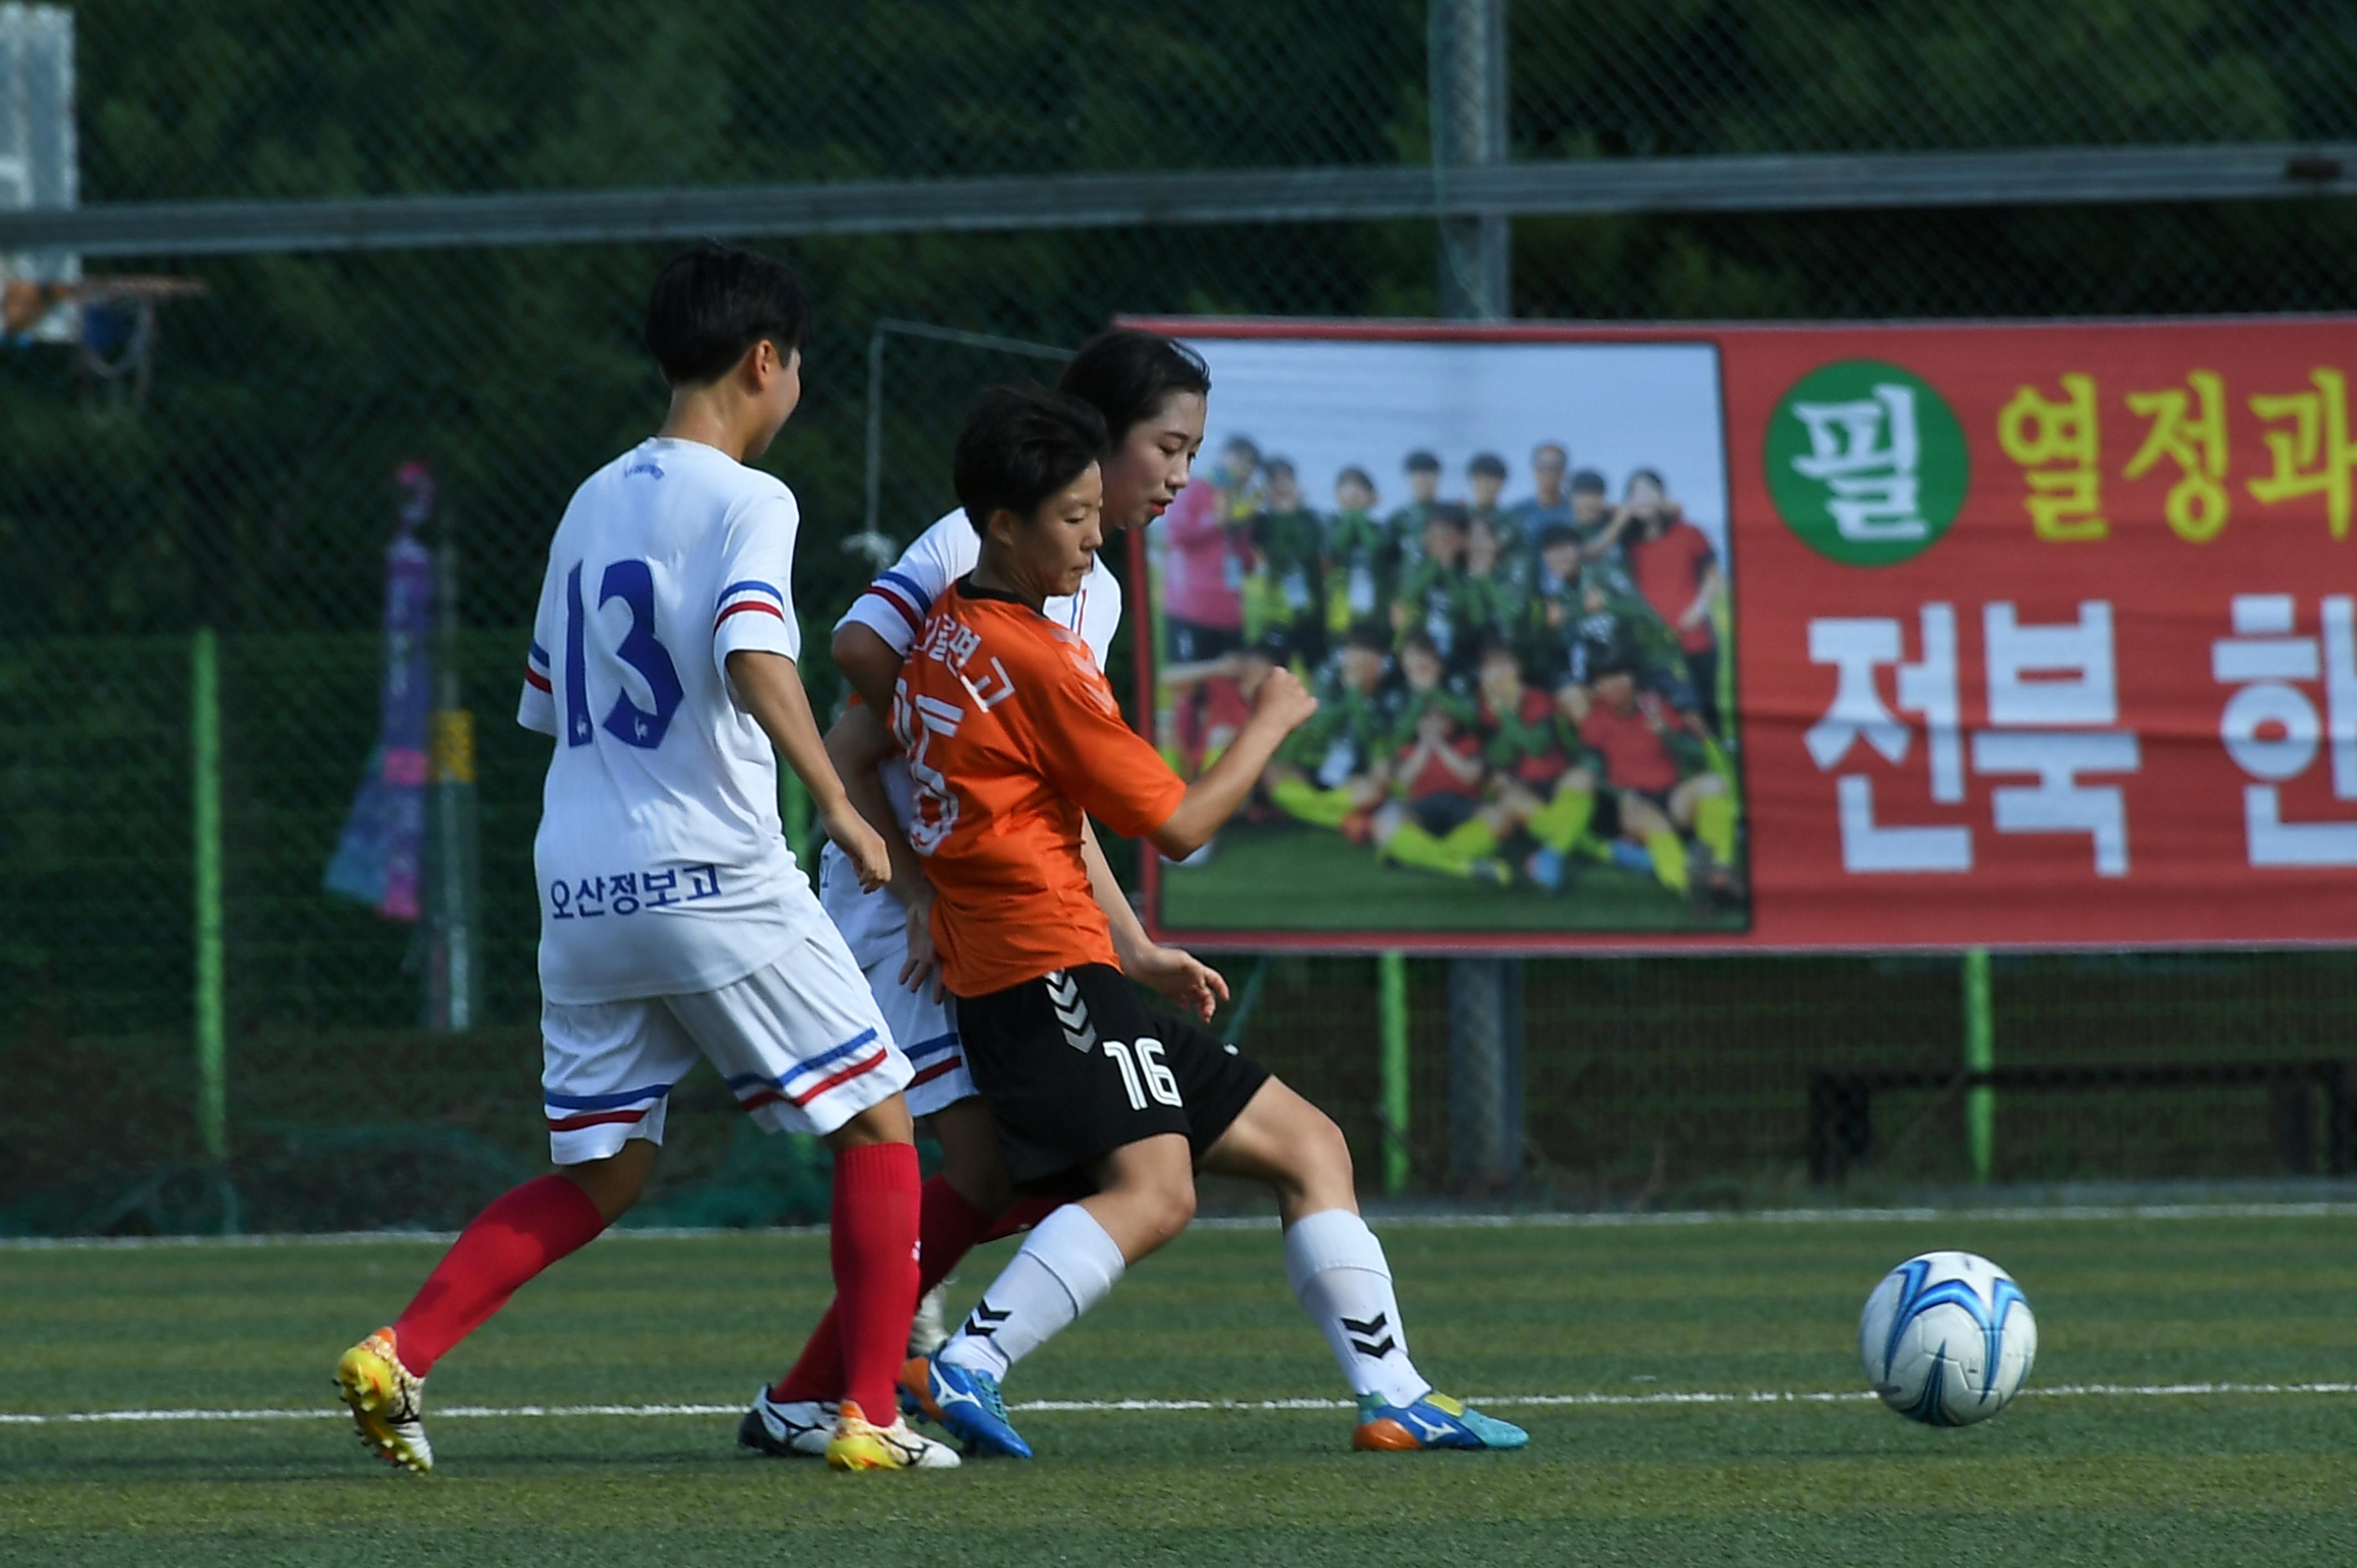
(1485,1072)
(1468,82)
(205,802)
(1980,1056)
(1467,77)
(1390,981)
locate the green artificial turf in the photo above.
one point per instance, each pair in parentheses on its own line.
(1305,879)
(1626,1311)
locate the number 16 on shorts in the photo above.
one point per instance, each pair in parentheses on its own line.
(1143,1072)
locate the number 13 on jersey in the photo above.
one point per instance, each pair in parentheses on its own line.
(634,583)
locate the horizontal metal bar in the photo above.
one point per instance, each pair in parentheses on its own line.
(2165,1075)
(892,327)
(1824,182)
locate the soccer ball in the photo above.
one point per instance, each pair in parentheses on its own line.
(1947,1338)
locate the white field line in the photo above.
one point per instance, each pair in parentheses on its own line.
(2320,1209)
(1104,1407)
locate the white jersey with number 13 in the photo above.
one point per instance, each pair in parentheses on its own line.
(661,862)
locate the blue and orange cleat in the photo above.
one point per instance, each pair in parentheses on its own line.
(965,1402)
(1436,1421)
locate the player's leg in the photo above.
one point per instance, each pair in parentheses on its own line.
(1146,1196)
(1437,832)
(796,1413)
(1702,665)
(1076,1083)
(605,1076)
(804,1048)
(1474,842)
(1559,824)
(1298,796)
(961,1206)
(1071,1261)
(1341,1276)
(1703,804)
(1646,822)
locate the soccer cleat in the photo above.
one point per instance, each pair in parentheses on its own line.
(385,1397)
(965,1404)
(786,1429)
(860,1444)
(1496,873)
(1632,858)
(1436,1421)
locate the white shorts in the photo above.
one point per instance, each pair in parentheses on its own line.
(801,1043)
(929,1035)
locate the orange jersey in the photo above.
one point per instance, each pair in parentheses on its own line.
(1012,739)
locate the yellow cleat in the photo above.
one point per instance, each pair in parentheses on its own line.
(385,1398)
(860,1444)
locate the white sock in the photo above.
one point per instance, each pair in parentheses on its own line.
(1338,1270)
(1066,1266)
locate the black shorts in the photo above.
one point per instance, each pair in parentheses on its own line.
(1074,1066)
(1441,815)
(1606,824)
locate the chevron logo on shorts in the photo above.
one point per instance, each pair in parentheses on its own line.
(1064,996)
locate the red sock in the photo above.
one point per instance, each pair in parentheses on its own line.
(872,1237)
(518,1236)
(948,1228)
(1020,1216)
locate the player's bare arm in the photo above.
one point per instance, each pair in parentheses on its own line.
(858,745)
(1283,706)
(1707,596)
(1173,972)
(868,662)
(768,686)
(1468,768)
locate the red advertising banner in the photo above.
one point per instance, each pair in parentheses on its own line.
(1882,637)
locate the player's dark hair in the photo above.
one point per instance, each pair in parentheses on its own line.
(1588,481)
(1448,514)
(1557,448)
(1419,639)
(1653,474)
(1422,463)
(1020,445)
(1244,444)
(1127,375)
(1496,647)
(711,304)
(1487,464)
(1277,465)
(1353,476)
(1370,635)
(1556,533)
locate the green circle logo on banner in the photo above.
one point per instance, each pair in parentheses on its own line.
(1866,462)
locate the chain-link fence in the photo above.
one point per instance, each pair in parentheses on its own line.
(250,493)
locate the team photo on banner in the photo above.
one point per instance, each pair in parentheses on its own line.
(1768,637)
